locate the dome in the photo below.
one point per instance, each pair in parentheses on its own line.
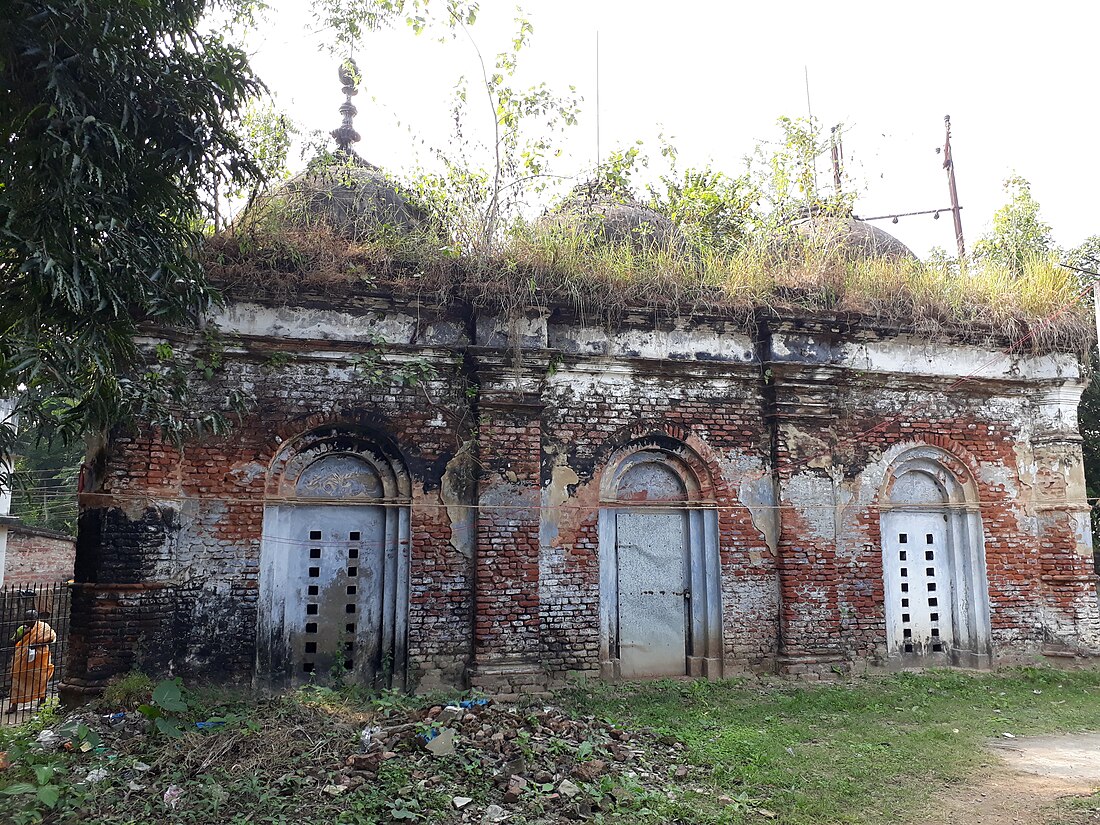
(350,196)
(615,218)
(342,191)
(858,238)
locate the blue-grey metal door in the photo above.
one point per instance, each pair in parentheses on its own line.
(918,583)
(334,591)
(653,595)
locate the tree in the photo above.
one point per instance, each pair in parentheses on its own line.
(785,175)
(344,22)
(483,184)
(1086,256)
(712,209)
(116,132)
(1018,233)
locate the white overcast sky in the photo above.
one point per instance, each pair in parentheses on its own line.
(1018,79)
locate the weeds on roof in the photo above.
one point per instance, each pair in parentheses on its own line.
(551,264)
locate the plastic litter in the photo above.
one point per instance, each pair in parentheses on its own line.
(172,796)
(47,739)
(366,736)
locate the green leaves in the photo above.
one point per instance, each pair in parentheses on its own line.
(167,728)
(372,368)
(167,701)
(17,788)
(168,696)
(46,792)
(346,21)
(1019,233)
(117,124)
(48,795)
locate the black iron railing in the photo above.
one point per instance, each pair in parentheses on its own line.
(34,630)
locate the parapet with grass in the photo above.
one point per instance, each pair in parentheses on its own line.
(822,267)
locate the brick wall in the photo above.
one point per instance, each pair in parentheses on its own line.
(788,428)
(38,556)
(590,414)
(187,523)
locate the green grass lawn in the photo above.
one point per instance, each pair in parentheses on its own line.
(868,750)
(873,749)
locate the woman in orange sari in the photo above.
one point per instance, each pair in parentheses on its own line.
(31,666)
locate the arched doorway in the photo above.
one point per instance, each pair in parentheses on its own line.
(934,576)
(334,563)
(659,571)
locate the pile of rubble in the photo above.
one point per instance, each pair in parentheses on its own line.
(544,765)
(474,761)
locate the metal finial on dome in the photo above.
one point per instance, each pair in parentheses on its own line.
(346,134)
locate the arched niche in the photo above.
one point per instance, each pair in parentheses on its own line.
(660,596)
(334,562)
(934,574)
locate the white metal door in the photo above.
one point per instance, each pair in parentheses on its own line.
(917,579)
(334,603)
(651,551)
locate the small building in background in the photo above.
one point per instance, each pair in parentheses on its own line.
(35,555)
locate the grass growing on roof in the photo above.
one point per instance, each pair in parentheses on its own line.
(555,264)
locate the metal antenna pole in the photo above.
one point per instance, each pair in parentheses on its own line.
(810,114)
(597,103)
(956,210)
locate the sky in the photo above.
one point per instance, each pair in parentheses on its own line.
(1017,79)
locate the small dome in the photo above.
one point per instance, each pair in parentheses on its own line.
(348,195)
(342,192)
(859,238)
(615,219)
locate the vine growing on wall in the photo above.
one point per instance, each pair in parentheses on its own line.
(373,367)
(171,380)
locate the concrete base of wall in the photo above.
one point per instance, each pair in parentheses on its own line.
(502,678)
(813,666)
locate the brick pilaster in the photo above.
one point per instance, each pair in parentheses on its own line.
(506,628)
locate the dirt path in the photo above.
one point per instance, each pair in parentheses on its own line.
(1032,775)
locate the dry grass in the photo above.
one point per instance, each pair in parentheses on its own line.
(1040,310)
(291,732)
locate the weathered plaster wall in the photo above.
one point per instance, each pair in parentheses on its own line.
(848,408)
(593,408)
(179,531)
(790,427)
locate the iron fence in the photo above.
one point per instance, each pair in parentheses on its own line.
(34,631)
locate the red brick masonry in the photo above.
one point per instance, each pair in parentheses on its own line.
(38,556)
